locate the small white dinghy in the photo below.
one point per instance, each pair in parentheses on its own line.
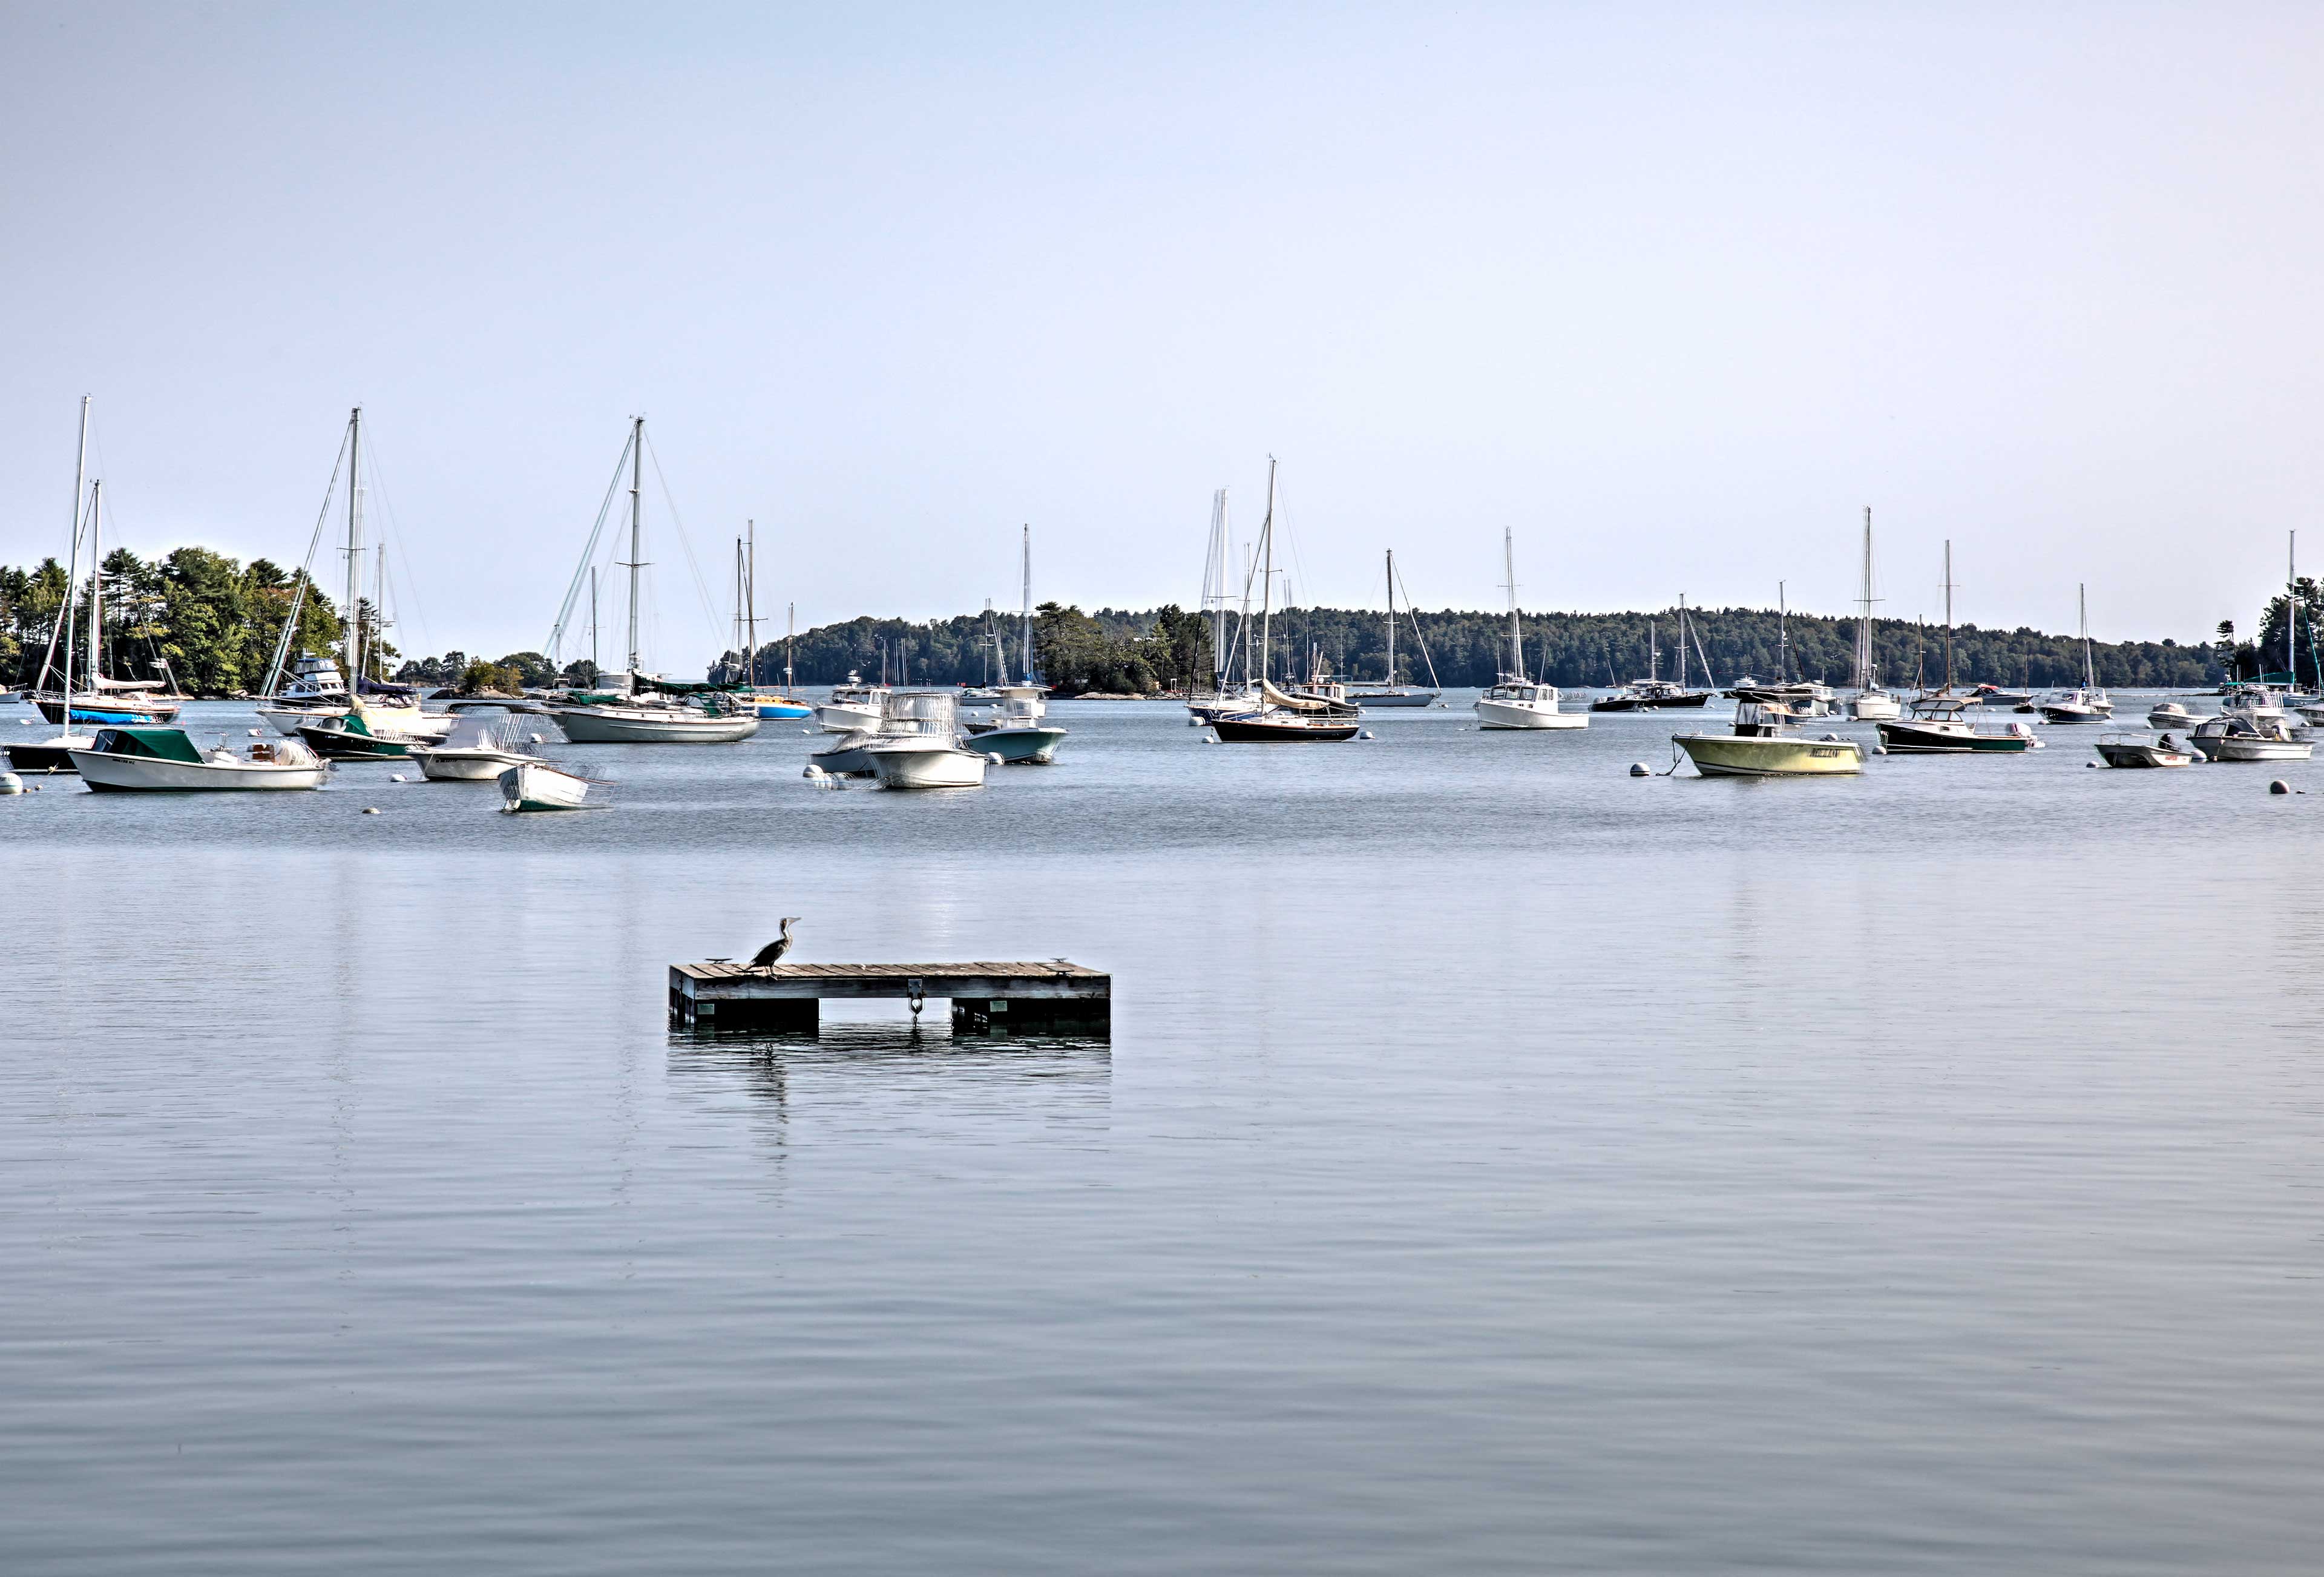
(538,785)
(477,750)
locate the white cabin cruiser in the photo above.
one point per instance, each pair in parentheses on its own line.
(904,714)
(1517,701)
(2234,737)
(852,705)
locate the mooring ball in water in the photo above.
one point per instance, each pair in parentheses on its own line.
(2090,763)
(254,733)
(1366,733)
(1640,770)
(812,772)
(11,784)
(2279,786)
(371,811)
(395,776)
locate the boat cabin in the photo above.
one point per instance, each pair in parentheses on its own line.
(1523,691)
(153,744)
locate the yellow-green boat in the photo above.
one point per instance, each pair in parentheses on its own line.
(1765,744)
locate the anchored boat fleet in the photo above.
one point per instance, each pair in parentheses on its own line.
(119,735)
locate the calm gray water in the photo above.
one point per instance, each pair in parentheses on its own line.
(1498,1165)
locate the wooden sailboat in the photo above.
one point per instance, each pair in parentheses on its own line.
(1279,717)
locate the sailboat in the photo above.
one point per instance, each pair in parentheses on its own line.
(1517,701)
(1801,697)
(366,730)
(1655,692)
(1279,716)
(1017,733)
(782,705)
(99,700)
(1870,703)
(1223,698)
(1936,725)
(629,717)
(2089,704)
(1390,693)
(55,755)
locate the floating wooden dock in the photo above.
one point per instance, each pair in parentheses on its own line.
(1052,998)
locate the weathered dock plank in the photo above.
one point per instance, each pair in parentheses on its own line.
(986,996)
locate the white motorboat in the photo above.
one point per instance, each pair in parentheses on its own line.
(316,686)
(1517,701)
(2171,715)
(477,750)
(925,761)
(2125,749)
(643,723)
(165,759)
(2233,737)
(904,714)
(2252,701)
(538,786)
(1874,706)
(852,705)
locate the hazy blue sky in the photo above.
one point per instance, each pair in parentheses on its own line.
(1673,290)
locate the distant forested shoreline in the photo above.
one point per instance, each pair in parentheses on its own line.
(1121,651)
(215,621)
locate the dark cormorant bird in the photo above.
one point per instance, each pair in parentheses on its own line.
(772,952)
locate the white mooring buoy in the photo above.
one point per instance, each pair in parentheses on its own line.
(2279,785)
(371,811)
(1640,770)
(11,784)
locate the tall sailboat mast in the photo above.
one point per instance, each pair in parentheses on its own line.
(750,601)
(1783,637)
(1026,656)
(96,590)
(1949,614)
(1864,611)
(637,486)
(2291,612)
(353,644)
(1516,633)
(72,573)
(1682,642)
(2090,673)
(1391,616)
(789,632)
(1267,584)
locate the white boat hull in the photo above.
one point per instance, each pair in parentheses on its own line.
(641,725)
(948,768)
(1875,707)
(2240,749)
(1517,714)
(848,719)
(2075,712)
(466,766)
(109,772)
(538,785)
